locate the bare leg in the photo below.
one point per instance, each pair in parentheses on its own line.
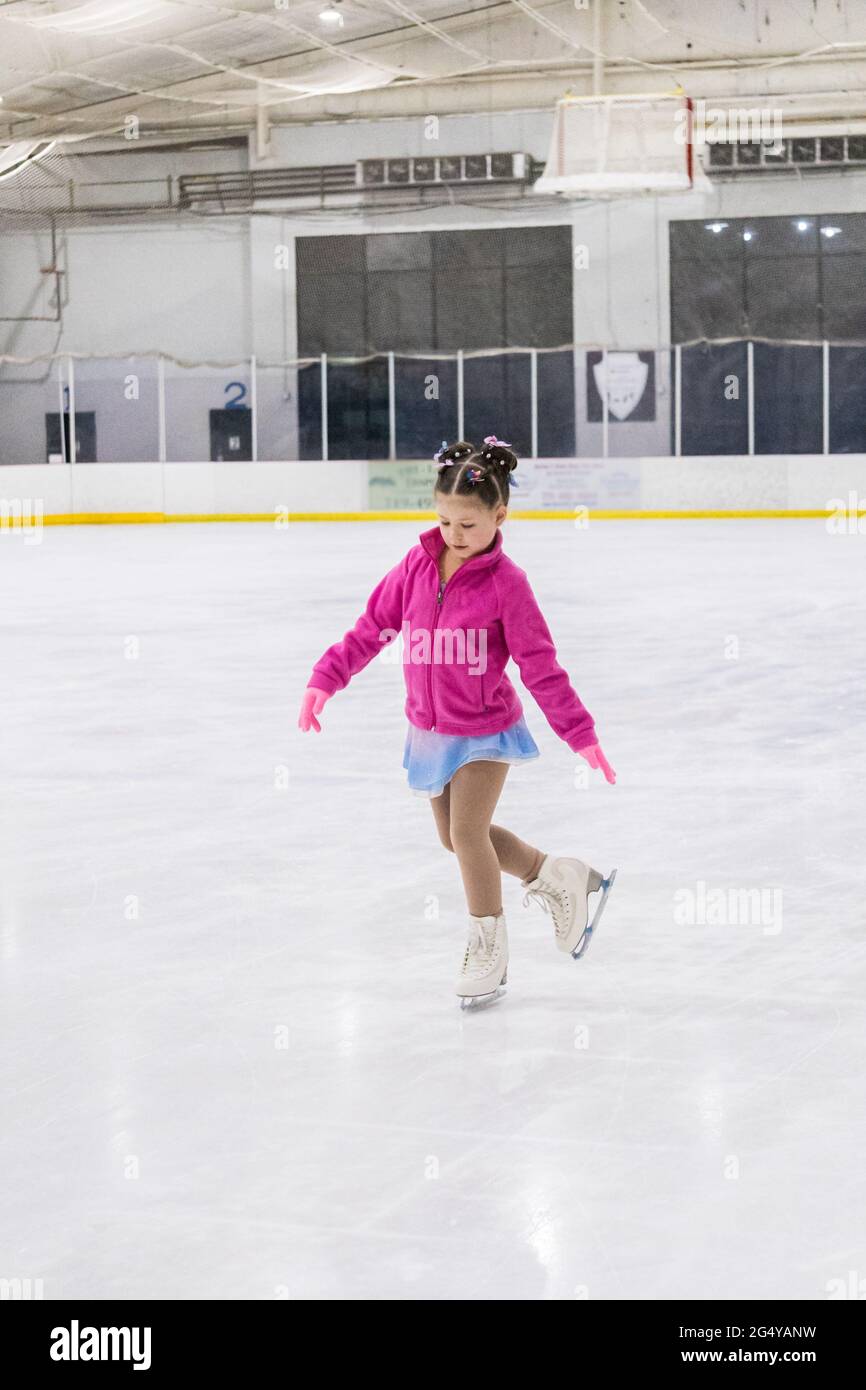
(515,856)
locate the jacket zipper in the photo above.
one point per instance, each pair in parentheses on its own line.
(436,612)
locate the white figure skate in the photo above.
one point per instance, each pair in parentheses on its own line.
(563,887)
(485,962)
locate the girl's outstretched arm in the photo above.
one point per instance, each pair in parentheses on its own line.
(376,628)
(532,647)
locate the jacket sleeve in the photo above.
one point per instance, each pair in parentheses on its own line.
(336,667)
(531,645)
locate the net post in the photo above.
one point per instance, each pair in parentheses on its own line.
(597,52)
(575,387)
(71,370)
(825,397)
(459,393)
(254,411)
(324,381)
(533,397)
(62,411)
(750,391)
(604,409)
(392,410)
(678,400)
(160,396)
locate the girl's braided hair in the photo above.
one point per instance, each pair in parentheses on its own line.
(482,471)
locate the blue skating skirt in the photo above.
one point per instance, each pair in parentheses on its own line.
(431,759)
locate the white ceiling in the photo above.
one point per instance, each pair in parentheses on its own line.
(71,69)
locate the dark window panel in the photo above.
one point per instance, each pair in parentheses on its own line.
(462,250)
(310,412)
(847,400)
(358,410)
(782,298)
(329,254)
(469,309)
(842,234)
(788,399)
(781,236)
(424,420)
(556,405)
(844,279)
(711,423)
(538,246)
(697,241)
(331,314)
(538,308)
(399,251)
(399,310)
(707,299)
(496,400)
(517,414)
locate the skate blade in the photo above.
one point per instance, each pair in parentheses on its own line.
(471,1003)
(583,944)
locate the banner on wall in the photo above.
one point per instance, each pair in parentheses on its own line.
(558,484)
(401,485)
(627,379)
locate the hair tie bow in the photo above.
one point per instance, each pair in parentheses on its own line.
(491,439)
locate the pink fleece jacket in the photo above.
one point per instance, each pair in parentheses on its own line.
(457,641)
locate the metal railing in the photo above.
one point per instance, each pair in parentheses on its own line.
(667,419)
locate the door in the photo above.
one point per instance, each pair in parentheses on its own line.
(231,434)
(85,437)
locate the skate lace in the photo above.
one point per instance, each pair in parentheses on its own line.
(480,952)
(551,899)
(538,893)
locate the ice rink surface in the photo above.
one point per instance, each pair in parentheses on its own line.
(232,1064)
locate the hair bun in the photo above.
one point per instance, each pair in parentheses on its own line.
(498,454)
(454,453)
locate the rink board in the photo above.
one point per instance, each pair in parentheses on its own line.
(353,489)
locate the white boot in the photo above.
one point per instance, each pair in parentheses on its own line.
(485,962)
(563,887)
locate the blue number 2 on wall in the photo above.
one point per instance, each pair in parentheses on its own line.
(238,400)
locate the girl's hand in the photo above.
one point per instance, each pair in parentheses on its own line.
(596,759)
(312,704)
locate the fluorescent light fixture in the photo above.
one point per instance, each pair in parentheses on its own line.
(830,231)
(716,227)
(331,16)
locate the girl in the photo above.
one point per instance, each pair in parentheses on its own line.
(464,608)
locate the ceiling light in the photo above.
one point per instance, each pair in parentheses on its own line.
(331,16)
(830,231)
(716,227)
(803,226)
(747,236)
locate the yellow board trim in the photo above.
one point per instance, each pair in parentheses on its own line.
(142,518)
